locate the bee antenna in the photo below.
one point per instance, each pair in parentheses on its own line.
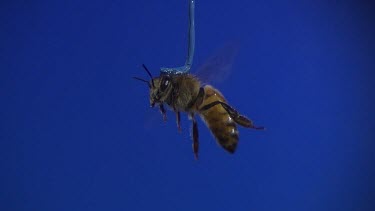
(148,72)
(141,79)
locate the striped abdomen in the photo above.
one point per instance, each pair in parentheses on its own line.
(218,120)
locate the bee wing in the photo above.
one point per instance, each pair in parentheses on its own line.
(219,66)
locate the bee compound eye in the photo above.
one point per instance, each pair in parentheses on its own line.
(164,84)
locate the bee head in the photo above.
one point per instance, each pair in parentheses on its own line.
(160,87)
(161,91)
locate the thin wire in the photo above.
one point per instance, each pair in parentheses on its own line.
(191,46)
(191,39)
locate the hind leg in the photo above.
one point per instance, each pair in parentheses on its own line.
(237,117)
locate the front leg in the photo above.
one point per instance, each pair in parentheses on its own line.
(178,121)
(163,112)
(195,137)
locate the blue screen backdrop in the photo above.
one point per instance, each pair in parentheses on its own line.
(77,132)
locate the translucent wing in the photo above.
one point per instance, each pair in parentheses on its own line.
(219,66)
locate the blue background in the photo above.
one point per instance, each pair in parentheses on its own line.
(77,132)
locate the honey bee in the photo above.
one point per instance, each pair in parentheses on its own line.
(185,93)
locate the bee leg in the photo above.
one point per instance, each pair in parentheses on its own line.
(195,137)
(237,117)
(178,121)
(163,112)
